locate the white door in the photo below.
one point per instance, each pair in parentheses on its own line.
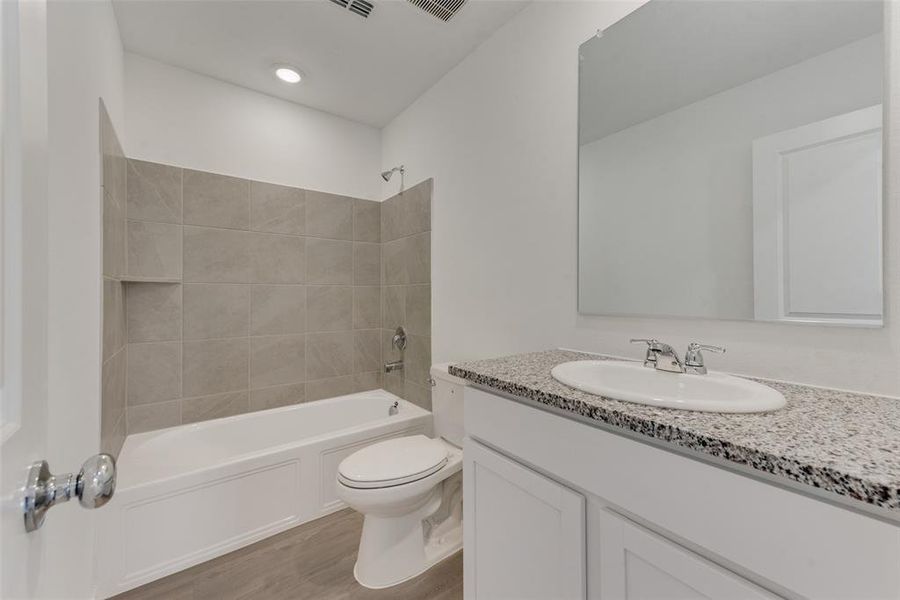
(24,283)
(636,564)
(524,533)
(817,211)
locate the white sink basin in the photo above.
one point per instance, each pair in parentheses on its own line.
(633,382)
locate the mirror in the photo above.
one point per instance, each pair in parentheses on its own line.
(730,162)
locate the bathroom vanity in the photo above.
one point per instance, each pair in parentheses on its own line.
(573,495)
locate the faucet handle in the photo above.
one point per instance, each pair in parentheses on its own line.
(693,358)
(653,348)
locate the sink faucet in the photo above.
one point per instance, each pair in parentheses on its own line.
(663,357)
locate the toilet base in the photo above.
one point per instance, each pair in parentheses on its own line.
(396,549)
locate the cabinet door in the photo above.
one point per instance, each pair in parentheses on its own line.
(524,533)
(636,564)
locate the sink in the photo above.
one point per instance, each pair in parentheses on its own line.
(633,382)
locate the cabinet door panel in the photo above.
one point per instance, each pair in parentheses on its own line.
(636,564)
(524,533)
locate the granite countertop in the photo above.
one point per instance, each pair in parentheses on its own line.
(840,442)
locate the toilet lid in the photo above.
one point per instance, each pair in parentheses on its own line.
(393,462)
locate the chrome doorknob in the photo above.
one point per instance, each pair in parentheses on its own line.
(94,485)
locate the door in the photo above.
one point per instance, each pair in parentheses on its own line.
(636,564)
(817,212)
(524,533)
(24,282)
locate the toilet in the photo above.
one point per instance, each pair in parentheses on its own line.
(410,491)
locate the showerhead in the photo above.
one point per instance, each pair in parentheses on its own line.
(386,175)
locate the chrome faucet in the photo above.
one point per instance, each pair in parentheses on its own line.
(663,357)
(398,341)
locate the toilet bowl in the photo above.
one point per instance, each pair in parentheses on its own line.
(409,490)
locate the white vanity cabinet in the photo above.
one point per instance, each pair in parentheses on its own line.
(636,563)
(558,508)
(524,532)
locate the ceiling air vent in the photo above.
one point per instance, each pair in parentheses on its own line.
(442,9)
(361,7)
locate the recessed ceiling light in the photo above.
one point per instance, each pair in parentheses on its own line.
(288,74)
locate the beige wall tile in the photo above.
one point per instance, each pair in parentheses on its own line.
(367,350)
(330,388)
(417,358)
(154,192)
(417,258)
(216,310)
(366,221)
(329,355)
(277,309)
(277,360)
(329,215)
(277,208)
(215,366)
(277,396)
(113,159)
(363,382)
(392,263)
(277,258)
(111,440)
(154,372)
(153,311)
(113,317)
(407,213)
(419,395)
(204,408)
(154,249)
(216,255)
(418,309)
(367,307)
(366,263)
(329,262)
(216,200)
(393,382)
(390,219)
(148,417)
(394,306)
(407,260)
(112,400)
(329,307)
(115,251)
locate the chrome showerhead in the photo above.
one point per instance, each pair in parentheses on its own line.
(386,175)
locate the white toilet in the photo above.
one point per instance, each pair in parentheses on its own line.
(410,491)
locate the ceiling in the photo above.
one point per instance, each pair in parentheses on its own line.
(666,55)
(365,69)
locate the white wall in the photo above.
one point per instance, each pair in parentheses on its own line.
(84,64)
(684,179)
(499,136)
(181,118)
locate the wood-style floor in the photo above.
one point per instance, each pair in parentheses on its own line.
(313,561)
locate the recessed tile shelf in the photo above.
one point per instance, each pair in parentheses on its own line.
(141,279)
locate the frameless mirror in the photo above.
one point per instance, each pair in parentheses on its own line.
(730,162)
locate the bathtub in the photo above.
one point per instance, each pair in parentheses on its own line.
(190,493)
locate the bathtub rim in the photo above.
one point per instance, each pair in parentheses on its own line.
(411,411)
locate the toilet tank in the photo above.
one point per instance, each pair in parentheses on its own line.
(447,404)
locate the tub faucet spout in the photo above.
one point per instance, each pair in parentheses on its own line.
(390,367)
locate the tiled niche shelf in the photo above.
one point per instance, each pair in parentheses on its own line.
(142,279)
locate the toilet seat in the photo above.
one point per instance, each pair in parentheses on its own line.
(393,462)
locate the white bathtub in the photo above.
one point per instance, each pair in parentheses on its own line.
(190,493)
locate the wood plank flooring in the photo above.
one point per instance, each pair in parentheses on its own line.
(313,561)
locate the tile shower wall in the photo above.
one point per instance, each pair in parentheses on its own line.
(112,394)
(406,291)
(274,295)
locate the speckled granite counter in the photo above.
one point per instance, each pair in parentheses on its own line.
(844,443)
